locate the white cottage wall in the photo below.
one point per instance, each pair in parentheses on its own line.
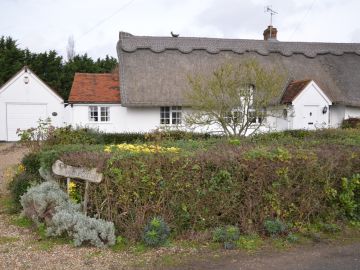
(21,97)
(308,109)
(352,112)
(337,115)
(122,119)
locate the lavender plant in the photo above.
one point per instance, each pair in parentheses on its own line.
(48,203)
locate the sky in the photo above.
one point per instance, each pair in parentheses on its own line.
(43,25)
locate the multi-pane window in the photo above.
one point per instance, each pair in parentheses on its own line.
(99,114)
(164,115)
(176,112)
(170,115)
(93,114)
(104,114)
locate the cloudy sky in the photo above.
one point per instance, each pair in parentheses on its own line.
(94,24)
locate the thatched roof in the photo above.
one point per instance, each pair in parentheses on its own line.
(155,70)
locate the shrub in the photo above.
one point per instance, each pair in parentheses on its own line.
(49,155)
(227,235)
(292,238)
(329,227)
(296,180)
(48,203)
(41,202)
(156,232)
(349,197)
(33,137)
(351,122)
(19,185)
(274,227)
(224,185)
(82,229)
(31,163)
(69,135)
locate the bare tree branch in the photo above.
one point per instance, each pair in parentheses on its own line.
(234,97)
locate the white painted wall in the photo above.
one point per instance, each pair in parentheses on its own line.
(35,92)
(340,112)
(122,119)
(308,107)
(351,112)
(146,119)
(337,115)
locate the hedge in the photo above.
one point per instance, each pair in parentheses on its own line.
(294,176)
(229,184)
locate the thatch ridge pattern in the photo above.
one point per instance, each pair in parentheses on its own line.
(130,43)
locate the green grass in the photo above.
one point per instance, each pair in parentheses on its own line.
(23,222)
(139,248)
(7,239)
(279,243)
(120,245)
(48,244)
(250,242)
(7,205)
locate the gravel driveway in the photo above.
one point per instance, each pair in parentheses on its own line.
(21,248)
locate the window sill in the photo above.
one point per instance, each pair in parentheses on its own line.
(99,122)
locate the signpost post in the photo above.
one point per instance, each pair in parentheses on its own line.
(88,175)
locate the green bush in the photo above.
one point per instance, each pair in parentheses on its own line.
(351,123)
(19,186)
(49,155)
(69,135)
(156,232)
(296,177)
(275,227)
(80,135)
(227,235)
(31,163)
(349,197)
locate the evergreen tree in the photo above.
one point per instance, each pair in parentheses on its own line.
(49,66)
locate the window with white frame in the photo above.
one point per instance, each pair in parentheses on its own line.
(99,114)
(104,114)
(176,115)
(171,115)
(256,117)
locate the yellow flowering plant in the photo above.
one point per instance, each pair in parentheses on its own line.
(140,148)
(73,191)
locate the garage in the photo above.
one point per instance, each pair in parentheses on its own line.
(24,99)
(23,116)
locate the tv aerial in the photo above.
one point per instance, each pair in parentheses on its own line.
(272,12)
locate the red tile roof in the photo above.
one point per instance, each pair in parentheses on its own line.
(293,90)
(95,88)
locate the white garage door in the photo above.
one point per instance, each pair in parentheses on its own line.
(23,116)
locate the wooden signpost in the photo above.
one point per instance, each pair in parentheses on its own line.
(71,172)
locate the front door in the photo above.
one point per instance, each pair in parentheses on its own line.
(310,116)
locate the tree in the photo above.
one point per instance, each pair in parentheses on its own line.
(235,98)
(50,66)
(70,48)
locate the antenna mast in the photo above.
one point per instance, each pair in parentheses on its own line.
(272,12)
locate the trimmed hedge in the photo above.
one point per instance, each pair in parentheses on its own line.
(69,135)
(293,176)
(228,184)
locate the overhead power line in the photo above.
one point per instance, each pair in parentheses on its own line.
(106,19)
(301,21)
